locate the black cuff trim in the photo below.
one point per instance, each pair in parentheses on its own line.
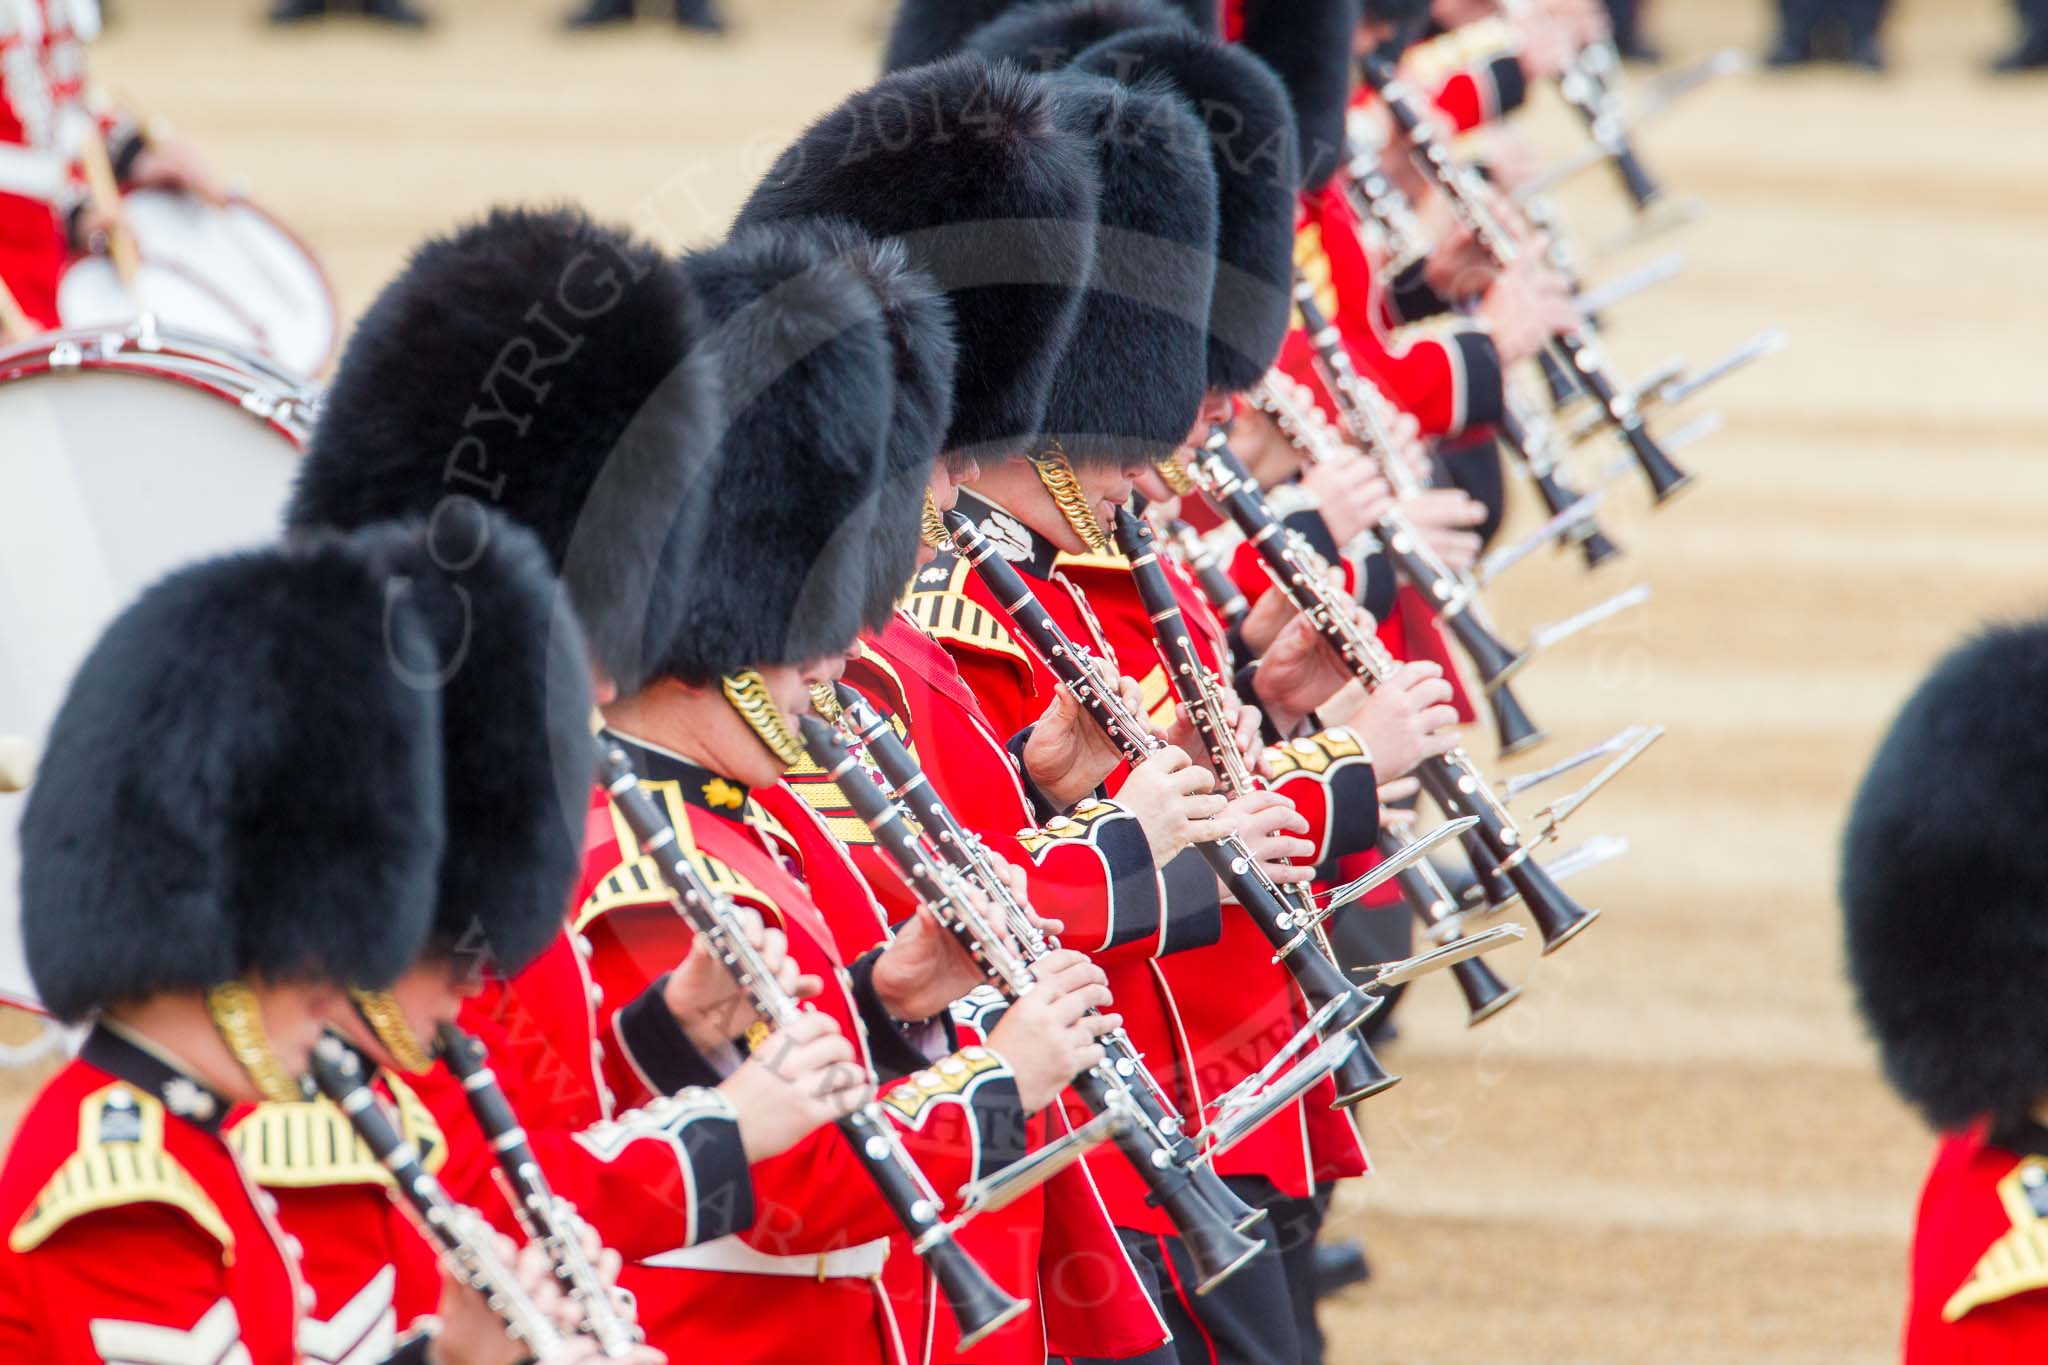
(894,1055)
(127,144)
(1194,910)
(1354,811)
(723,1196)
(1510,83)
(1412,298)
(1042,807)
(1004,1127)
(1485,398)
(657,1046)
(1310,526)
(1135,904)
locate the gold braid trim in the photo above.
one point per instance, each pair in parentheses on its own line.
(109,1171)
(1176,476)
(933,526)
(387,1021)
(1057,474)
(747,693)
(239,1021)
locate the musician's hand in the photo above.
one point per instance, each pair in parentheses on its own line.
(1268,823)
(798,1080)
(1350,495)
(173,164)
(1298,674)
(1174,800)
(924,969)
(471,1333)
(709,1004)
(1407,719)
(1068,756)
(1244,731)
(1459,268)
(1397,791)
(1048,1036)
(1264,622)
(1445,517)
(1528,305)
(1545,46)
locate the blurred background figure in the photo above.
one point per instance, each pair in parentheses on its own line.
(399,12)
(1627,16)
(2031,52)
(1831,30)
(699,15)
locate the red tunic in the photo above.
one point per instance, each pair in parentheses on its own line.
(811,1268)
(132,1234)
(1980,1254)
(1204,1017)
(372,1274)
(1093,870)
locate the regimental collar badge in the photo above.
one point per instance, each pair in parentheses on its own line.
(189,1100)
(720,794)
(1011,537)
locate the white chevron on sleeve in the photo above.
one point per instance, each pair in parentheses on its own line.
(361,1332)
(216,1339)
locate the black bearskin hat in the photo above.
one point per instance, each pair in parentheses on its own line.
(547,367)
(1308,43)
(920,324)
(966,165)
(513,676)
(1048,34)
(1131,383)
(1944,889)
(1392,11)
(240,781)
(1252,138)
(777,529)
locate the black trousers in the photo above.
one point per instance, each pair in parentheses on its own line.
(1265,1314)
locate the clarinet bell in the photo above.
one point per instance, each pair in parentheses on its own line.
(1241,1216)
(1496,890)
(1596,546)
(1360,1076)
(979,1304)
(1558,917)
(1217,1249)
(1517,732)
(1485,993)
(1593,542)
(1667,480)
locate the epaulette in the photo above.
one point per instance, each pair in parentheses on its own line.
(120,1160)
(949,1078)
(1316,754)
(1074,826)
(311,1143)
(2018,1261)
(808,780)
(637,880)
(950,616)
(1312,263)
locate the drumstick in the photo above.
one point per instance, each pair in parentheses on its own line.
(106,197)
(14,323)
(17,763)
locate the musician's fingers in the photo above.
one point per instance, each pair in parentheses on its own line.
(1209,831)
(1206,805)
(1432,691)
(1100,1025)
(1436,718)
(1287,874)
(1192,781)
(1400,789)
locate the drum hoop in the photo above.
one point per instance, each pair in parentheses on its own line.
(13,367)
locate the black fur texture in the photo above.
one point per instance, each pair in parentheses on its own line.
(1132,381)
(513,676)
(1254,151)
(1944,890)
(966,165)
(1393,11)
(547,367)
(779,566)
(1308,43)
(1046,36)
(920,324)
(932,30)
(239,782)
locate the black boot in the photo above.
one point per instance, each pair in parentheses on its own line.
(398,12)
(599,13)
(2030,55)
(1339,1265)
(296,11)
(1864,20)
(1796,20)
(700,15)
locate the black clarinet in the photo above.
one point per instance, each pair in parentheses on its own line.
(1532,448)
(1586,87)
(549,1219)
(1576,347)
(1201,1206)
(1485,993)
(979,1305)
(467,1244)
(1336,1007)
(1452,598)
(1495,845)
(1206,564)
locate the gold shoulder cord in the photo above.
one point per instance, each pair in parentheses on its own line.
(382,1014)
(747,693)
(1056,472)
(239,1021)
